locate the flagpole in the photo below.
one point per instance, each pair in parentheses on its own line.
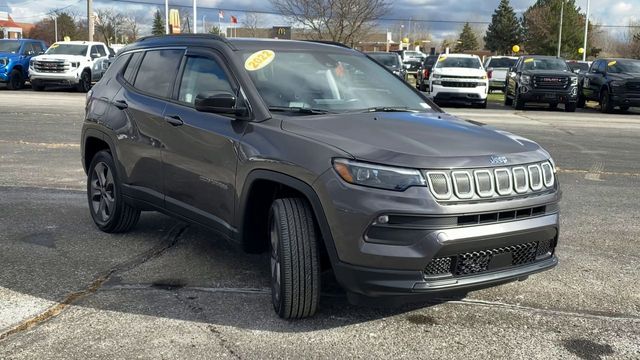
(195,18)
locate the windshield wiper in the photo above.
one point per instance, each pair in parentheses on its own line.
(389,109)
(296,109)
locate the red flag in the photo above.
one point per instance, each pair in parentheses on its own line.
(234,20)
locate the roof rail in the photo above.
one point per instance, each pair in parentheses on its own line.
(330,42)
(200,36)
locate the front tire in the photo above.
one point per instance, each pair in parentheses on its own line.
(519,102)
(36,86)
(507,100)
(84,84)
(605,102)
(295,267)
(16,81)
(570,107)
(108,209)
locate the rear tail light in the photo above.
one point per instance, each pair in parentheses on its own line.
(489,74)
(425,73)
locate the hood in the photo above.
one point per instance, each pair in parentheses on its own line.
(459,72)
(46,57)
(417,140)
(9,55)
(549,73)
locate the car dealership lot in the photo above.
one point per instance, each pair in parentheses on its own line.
(169,289)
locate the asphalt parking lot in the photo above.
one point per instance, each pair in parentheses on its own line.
(173,290)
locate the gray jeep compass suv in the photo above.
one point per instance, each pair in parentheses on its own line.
(321,157)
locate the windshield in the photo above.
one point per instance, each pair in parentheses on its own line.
(502,63)
(624,66)
(327,81)
(386,59)
(545,64)
(9,46)
(578,66)
(458,62)
(67,49)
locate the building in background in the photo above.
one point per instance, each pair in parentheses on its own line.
(10,29)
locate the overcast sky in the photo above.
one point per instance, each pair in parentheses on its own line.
(609,12)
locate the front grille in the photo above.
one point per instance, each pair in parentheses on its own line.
(456,84)
(476,262)
(633,86)
(486,184)
(550,82)
(51,66)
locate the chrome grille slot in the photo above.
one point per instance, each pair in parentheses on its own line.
(547,174)
(484,183)
(535,177)
(503,181)
(51,66)
(439,185)
(520,183)
(462,184)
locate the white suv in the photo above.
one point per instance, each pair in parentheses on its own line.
(70,63)
(459,78)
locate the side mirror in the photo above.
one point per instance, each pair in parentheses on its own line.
(219,102)
(95,55)
(406,66)
(512,69)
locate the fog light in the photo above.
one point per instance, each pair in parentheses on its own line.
(383,219)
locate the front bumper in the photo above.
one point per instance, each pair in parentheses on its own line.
(394,258)
(546,96)
(68,78)
(472,95)
(497,84)
(625,99)
(4,74)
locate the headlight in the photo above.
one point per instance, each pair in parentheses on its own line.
(617,83)
(436,76)
(574,81)
(377,176)
(4,62)
(525,79)
(437,82)
(32,63)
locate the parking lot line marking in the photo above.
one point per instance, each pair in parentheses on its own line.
(259,291)
(170,240)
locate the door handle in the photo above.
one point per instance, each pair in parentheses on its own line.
(121,104)
(174,120)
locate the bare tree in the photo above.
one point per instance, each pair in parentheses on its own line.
(131,26)
(345,21)
(110,25)
(252,23)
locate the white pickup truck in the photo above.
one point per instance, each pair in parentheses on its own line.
(70,63)
(497,70)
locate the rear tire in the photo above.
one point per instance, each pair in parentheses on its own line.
(16,81)
(570,107)
(108,209)
(605,102)
(624,108)
(295,267)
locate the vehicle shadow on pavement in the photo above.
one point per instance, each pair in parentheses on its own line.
(163,268)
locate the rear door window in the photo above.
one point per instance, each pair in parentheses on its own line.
(157,72)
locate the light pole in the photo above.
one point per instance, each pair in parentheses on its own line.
(166,17)
(195,18)
(55,26)
(560,32)
(204,24)
(90,19)
(586,32)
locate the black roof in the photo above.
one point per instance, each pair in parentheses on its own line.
(236,43)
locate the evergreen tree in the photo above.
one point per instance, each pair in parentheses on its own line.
(541,23)
(504,31)
(467,40)
(158,24)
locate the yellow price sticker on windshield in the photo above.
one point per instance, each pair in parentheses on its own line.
(54,46)
(259,59)
(611,63)
(528,60)
(442,58)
